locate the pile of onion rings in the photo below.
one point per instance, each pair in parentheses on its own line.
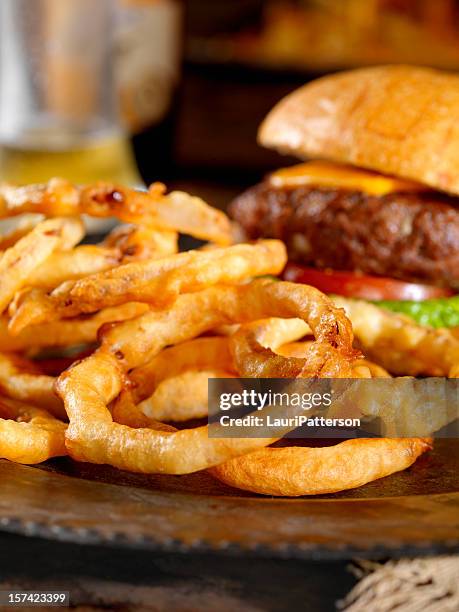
(106,350)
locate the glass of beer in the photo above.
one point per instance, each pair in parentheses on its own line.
(58,102)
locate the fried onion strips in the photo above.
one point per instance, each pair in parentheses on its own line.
(197,354)
(254,358)
(296,470)
(91,385)
(157,282)
(22,380)
(125,244)
(361,368)
(28,434)
(182,397)
(141,329)
(399,344)
(68,332)
(125,412)
(20,260)
(173,386)
(72,265)
(138,242)
(176,211)
(57,198)
(21,227)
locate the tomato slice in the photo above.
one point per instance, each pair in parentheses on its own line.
(351,284)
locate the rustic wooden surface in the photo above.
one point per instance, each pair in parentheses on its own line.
(118,579)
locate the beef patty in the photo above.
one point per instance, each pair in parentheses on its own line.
(410,236)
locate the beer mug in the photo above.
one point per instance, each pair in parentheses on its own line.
(58,100)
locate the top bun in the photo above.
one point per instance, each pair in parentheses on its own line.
(398,120)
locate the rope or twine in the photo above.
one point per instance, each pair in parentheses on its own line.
(406,585)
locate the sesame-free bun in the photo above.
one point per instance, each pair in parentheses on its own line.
(398,120)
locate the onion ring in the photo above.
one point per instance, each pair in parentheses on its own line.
(28,434)
(156,282)
(88,387)
(136,342)
(295,471)
(91,385)
(254,359)
(361,368)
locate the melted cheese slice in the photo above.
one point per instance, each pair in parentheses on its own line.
(340,176)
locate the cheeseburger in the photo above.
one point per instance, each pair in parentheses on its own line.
(374,213)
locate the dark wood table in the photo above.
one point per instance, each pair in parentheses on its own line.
(119,579)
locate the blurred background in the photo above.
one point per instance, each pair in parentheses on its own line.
(144,90)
